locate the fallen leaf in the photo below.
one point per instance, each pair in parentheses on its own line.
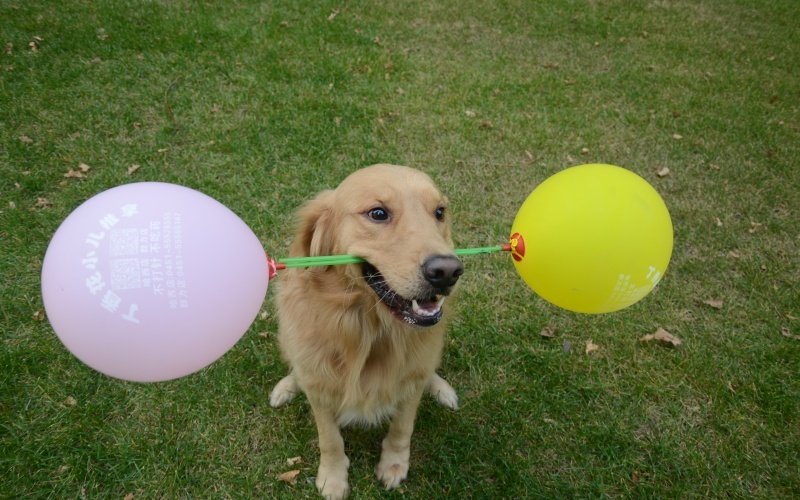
(788,333)
(39,315)
(263,335)
(129,496)
(74,174)
(733,254)
(712,166)
(294,460)
(584,151)
(70,401)
(132,169)
(663,172)
(548,332)
(34,46)
(83,167)
(289,477)
(663,337)
(677,136)
(717,221)
(9,48)
(529,154)
(333,14)
(486,125)
(26,139)
(470,113)
(11,204)
(43,203)
(591,347)
(754,226)
(715,303)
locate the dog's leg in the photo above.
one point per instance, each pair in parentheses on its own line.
(442,392)
(284,391)
(393,466)
(333,463)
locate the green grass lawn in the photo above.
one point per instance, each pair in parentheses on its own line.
(262,104)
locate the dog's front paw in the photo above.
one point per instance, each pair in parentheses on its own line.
(443,392)
(392,469)
(284,391)
(333,484)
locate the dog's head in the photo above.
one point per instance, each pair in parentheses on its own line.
(396,219)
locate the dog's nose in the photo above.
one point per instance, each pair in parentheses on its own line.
(442,271)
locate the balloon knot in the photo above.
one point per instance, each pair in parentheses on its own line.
(517,244)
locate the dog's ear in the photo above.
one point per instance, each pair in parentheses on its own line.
(315,227)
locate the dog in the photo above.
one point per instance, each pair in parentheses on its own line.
(363,341)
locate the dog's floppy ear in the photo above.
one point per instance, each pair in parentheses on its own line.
(315,227)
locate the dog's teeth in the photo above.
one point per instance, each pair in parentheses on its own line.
(426,312)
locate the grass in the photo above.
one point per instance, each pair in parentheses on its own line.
(261,105)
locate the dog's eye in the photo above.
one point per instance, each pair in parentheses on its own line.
(378,214)
(439,214)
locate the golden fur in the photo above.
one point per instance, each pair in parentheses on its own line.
(356,359)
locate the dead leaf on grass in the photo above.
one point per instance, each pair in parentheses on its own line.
(42,203)
(715,303)
(289,477)
(70,401)
(129,496)
(26,139)
(39,315)
(132,169)
(548,332)
(677,137)
(78,174)
(333,14)
(591,347)
(754,226)
(294,460)
(35,44)
(663,172)
(788,333)
(664,337)
(487,125)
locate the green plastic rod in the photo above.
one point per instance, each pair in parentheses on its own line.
(335,260)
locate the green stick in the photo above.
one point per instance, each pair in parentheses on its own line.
(334,260)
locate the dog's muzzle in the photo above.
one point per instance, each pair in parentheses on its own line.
(441,272)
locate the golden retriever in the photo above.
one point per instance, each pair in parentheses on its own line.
(362,341)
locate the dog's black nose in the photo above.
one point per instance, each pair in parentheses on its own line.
(442,271)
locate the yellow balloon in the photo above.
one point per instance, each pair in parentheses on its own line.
(592,239)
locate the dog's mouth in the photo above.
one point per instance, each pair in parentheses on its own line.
(419,311)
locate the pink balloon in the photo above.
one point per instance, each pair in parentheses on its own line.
(151,281)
